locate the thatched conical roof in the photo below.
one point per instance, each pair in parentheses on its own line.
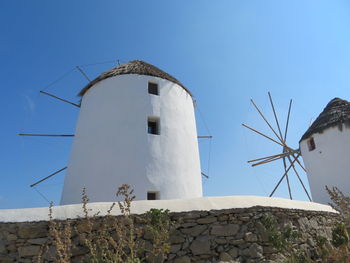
(336,113)
(138,67)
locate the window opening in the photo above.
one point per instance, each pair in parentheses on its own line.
(153,126)
(152,196)
(311,144)
(153,88)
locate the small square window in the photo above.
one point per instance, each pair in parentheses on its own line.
(311,144)
(153,88)
(152,196)
(153,125)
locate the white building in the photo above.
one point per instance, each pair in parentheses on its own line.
(136,126)
(325,148)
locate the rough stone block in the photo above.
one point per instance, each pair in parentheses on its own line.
(233,252)
(28,251)
(3,249)
(200,247)
(225,257)
(175,248)
(32,231)
(7,259)
(250,237)
(207,220)
(184,259)
(11,237)
(194,231)
(175,239)
(225,230)
(38,241)
(255,251)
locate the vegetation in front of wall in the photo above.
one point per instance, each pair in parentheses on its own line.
(340,251)
(335,250)
(111,239)
(282,238)
(159,225)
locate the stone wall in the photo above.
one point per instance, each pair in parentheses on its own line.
(230,235)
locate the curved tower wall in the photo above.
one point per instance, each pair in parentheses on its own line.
(329,163)
(112,145)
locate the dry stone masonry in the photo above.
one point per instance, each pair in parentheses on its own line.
(232,235)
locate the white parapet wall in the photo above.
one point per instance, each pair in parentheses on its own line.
(178,205)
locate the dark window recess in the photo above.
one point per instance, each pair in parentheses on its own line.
(311,144)
(153,88)
(153,127)
(151,196)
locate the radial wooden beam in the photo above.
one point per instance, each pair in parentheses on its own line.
(266,121)
(287,178)
(300,164)
(47,177)
(268,160)
(46,135)
(279,182)
(267,157)
(285,135)
(203,174)
(58,98)
(301,182)
(254,130)
(287,122)
(276,119)
(283,141)
(84,74)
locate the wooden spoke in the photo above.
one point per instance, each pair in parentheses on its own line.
(287,178)
(268,160)
(246,126)
(299,161)
(276,119)
(287,122)
(262,115)
(47,177)
(203,174)
(46,135)
(267,157)
(301,182)
(58,98)
(84,74)
(279,182)
(301,165)
(283,140)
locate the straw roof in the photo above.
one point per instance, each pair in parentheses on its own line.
(336,113)
(138,67)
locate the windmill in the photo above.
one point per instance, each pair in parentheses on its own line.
(289,156)
(134,68)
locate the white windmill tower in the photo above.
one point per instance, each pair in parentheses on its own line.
(325,148)
(136,126)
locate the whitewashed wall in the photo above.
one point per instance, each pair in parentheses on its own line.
(140,207)
(329,163)
(112,147)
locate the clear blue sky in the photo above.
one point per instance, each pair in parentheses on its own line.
(225,52)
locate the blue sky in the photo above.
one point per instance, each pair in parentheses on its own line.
(225,52)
